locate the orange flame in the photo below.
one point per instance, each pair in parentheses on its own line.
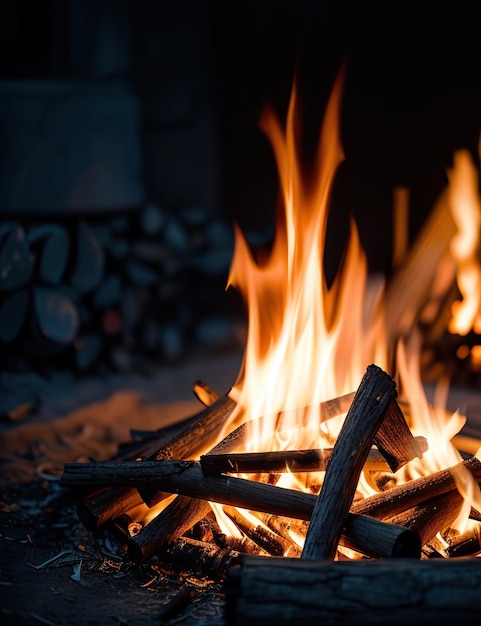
(305,343)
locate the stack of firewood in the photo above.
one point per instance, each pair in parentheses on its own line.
(119,293)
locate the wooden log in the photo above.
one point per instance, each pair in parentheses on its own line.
(196,436)
(350,452)
(199,556)
(99,508)
(272,543)
(51,246)
(186,478)
(288,592)
(54,323)
(290,461)
(16,263)
(431,516)
(13,313)
(464,544)
(394,439)
(175,520)
(402,497)
(359,534)
(204,393)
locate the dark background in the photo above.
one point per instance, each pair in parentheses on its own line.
(412,96)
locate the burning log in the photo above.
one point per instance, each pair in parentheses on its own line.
(291,461)
(350,452)
(432,516)
(394,439)
(186,477)
(95,510)
(204,393)
(201,555)
(175,520)
(106,504)
(193,438)
(465,544)
(285,592)
(398,499)
(200,433)
(272,543)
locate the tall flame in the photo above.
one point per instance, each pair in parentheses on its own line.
(306,343)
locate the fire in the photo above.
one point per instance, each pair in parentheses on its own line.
(466,209)
(308,343)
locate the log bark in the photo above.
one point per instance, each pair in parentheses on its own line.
(196,436)
(432,516)
(290,461)
(98,508)
(398,499)
(273,544)
(175,520)
(350,452)
(394,439)
(288,592)
(369,536)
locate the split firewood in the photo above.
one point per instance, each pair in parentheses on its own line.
(464,544)
(286,527)
(290,461)
(395,440)
(431,516)
(98,508)
(53,325)
(287,592)
(16,261)
(175,520)
(50,244)
(13,313)
(199,555)
(186,478)
(402,497)
(350,452)
(272,543)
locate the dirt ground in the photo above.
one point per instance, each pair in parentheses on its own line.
(52,571)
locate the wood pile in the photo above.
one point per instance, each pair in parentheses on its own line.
(112,294)
(393,569)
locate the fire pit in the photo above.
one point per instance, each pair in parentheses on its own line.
(331,467)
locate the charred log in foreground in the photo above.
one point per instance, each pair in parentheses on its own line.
(287,592)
